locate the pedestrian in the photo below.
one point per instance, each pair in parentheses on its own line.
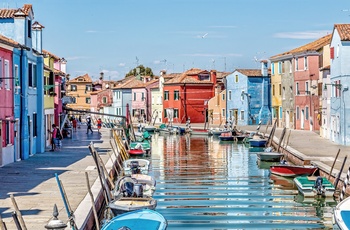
(59,137)
(99,124)
(53,133)
(89,125)
(74,123)
(79,121)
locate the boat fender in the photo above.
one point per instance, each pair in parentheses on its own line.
(138,190)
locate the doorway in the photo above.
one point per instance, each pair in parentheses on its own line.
(302,119)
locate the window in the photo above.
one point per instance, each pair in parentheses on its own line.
(143,96)
(296,64)
(223,113)
(204,77)
(280,89)
(1,74)
(290,66)
(307,88)
(29,28)
(16,77)
(298,115)
(73,87)
(280,112)
(176,113)
(88,100)
(104,100)
(305,63)
(273,90)
(297,88)
(134,96)
(242,115)
(30,75)
(74,100)
(166,95)
(223,97)
(34,76)
(176,95)
(279,67)
(35,125)
(273,68)
(7,74)
(229,95)
(88,88)
(306,113)
(7,132)
(236,78)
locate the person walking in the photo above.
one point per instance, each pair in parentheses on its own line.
(99,124)
(74,123)
(53,133)
(89,126)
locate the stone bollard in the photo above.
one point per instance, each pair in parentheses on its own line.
(55,223)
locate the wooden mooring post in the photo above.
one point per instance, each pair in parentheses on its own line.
(343,191)
(335,160)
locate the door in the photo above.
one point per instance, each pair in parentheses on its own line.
(287,116)
(235,116)
(17,141)
(302,119)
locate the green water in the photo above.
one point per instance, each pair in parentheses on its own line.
(205,184)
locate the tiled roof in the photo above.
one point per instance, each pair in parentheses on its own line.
(312,46)
(59,72)
(171,76)
(344,31)
(221,75)
(250,72)
(9,13)
(187,77)
(8,41)
(129,83)
(86,78)
(51,54)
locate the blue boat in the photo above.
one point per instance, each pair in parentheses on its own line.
(144,219)
(257,142)
(342,214)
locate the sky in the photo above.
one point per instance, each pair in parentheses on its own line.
(115,36)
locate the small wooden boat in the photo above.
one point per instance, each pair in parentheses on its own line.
(314,186)
(136,185)
(150,128)
(168,131)
(218,132)
(257,142)
(284,183)
(342,214)
(144,219)
(136,166)
(270,156)
(227,136)
(127,204)
(293,170)
(240,137)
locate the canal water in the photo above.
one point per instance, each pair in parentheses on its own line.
(203,183)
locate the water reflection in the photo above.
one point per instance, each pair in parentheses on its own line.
(205,184)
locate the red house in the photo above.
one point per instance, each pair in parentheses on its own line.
(187,95)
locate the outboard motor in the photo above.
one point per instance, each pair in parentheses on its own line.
(134,166)
(138,190)
(319,186)
(128,189)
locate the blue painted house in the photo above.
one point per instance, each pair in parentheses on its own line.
(18,25)
(339,84)
(248,96)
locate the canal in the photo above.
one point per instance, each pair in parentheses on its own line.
(203,183)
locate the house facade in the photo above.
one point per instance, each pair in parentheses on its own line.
(79,90)
(276,91)
(17,24)
(187,96)
(339,84)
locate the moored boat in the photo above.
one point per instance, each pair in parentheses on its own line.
(293,170)
(342,214)
(218,132)
(136,166)
(199,132)
(136,152)
(145,145)
(257,142)
(145,219)
(312,186)
(270,156)
(136,185)
(227,136)
(126,204)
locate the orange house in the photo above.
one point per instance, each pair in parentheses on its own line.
(187,95)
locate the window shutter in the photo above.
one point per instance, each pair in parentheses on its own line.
(332,52)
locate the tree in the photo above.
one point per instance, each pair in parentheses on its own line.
(143,71)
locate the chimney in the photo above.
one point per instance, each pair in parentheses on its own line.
(264,67)
(213,76)
(63,67)
(37,36)
(20,22)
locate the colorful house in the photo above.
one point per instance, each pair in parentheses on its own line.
(79,90)
(7,117)
(339,84)
(250,102)
(187,96)
(276,91)
(17,24)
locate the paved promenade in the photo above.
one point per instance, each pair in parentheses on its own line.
(35,189)
(34,185)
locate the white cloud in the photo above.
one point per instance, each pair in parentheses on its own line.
(77,58)
(302,35)
(121,64)
(91,31)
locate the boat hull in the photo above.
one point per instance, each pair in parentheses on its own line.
(306,186)
(342,214)
(270,156)
(257,142)
(136,152)
(292,170)
(127,204)
(138,220)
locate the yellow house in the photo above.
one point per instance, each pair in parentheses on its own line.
(79,89)
(276,91)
